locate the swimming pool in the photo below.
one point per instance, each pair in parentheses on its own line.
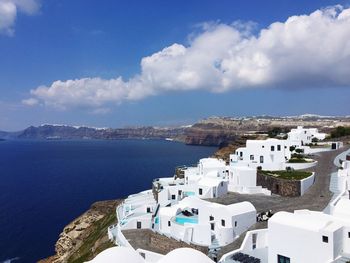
(189,193)
(182,220)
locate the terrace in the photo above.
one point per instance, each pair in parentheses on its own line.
(288,175)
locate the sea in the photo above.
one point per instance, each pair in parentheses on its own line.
(45,184)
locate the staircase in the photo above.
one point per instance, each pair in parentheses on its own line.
(214,244)
(334,184)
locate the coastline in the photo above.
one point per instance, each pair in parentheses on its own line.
(92,239)
(86,236)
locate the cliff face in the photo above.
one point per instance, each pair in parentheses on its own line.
(70,132)
(86,236)
(215,131)
(219,131)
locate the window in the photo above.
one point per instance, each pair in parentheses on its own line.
(263,146)
(325,239)
(200,190)
(173,197)
(222,183)
(142,254)
(241,154)
(212,226)
(180,192)
(282,259)
(148,210)
(222,222)
(235,223)
(252,157)
(138,224)
(211,218)
(348,234)
(278,147)
(272,148)
(254,238)
(169,223)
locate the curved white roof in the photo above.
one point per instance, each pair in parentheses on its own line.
(311,220)
(240,208)
(185,255)
(118,254)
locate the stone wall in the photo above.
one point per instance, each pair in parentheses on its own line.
(148,240)
(279,186)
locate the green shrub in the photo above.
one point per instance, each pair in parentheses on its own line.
(297,160)
(289,175)
(340,131)
(298,156)
(299,150)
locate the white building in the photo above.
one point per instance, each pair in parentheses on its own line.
(201,222)
(270,154)
(242,179)
(303,236)
(302,136)
(136,212)
(206,180)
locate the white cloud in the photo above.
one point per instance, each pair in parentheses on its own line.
(304,51)
(9,10)
(30,102)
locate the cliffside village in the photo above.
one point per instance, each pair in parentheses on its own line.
(183,208)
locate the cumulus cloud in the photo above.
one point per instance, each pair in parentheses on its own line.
(304,51)
(9,10)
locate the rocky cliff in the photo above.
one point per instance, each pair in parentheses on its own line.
(221,131)
(86,236)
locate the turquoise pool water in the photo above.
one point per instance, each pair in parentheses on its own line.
(189,193)
(181,220)
(156,221)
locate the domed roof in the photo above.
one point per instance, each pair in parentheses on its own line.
(118,254)
(185,255)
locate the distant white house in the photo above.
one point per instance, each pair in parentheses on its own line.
(303,136)
(203,223)
(270,154)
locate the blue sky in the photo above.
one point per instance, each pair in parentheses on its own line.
(66,40)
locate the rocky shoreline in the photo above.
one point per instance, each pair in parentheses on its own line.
(85,236)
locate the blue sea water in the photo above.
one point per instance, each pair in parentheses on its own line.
(46,184)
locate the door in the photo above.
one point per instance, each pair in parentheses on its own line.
(138,224)
(261,159)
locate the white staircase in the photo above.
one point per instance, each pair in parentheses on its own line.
(334,184)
